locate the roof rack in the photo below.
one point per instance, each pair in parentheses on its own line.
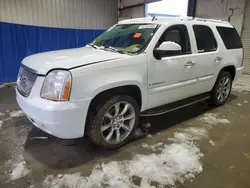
(211,20)
(188,18)
(183,18)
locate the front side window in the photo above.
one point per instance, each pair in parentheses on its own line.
(178,34)
(126,38)
(205,39)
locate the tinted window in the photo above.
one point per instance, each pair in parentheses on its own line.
(179,35)
(204,38)
(230,37)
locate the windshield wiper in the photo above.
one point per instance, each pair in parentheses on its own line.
(93,46)
(110,48)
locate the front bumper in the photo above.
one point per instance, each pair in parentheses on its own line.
(64,120)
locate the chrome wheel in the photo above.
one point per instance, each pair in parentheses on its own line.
(224,88)
(118,122)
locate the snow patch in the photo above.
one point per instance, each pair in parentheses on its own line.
(213,119)
(174,164)
(157,147)
(212,142)
(189,134)
(19,171)
(145,145)
(67,180)
(238,104)
(154,147)
(17,113)
(1,124)
(246,102)
(149,136)
(1,114)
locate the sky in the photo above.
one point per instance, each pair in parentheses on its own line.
(172,7)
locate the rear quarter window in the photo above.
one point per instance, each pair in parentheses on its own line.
(230,37)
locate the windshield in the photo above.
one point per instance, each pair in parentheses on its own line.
(127,38)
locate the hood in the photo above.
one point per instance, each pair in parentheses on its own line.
(67,59)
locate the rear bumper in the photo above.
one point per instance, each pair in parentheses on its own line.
(64,120)
(238,73)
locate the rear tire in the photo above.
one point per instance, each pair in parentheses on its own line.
(222,89)
(113,122)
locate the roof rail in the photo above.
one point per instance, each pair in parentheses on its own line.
(188,18)
(211,20)
(182,18)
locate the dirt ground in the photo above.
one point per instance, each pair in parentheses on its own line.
(225,150)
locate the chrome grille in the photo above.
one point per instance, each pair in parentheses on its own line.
(25,81)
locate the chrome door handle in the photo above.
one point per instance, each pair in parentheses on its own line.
(190,64)
(218,59)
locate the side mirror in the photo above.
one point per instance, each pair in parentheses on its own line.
(167,49)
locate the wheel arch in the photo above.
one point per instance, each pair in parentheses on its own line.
(229,68)
(131,90)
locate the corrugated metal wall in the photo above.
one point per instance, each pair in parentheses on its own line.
(47,25)
(220,9)
(98,14)
(246,38)
(135,12)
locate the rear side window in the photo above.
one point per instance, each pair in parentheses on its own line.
(204,38)
(230,37)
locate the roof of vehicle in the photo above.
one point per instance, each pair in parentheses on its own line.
(167,20)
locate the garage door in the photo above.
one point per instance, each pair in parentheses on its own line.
(246,38)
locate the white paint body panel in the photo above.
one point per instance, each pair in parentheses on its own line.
(43,62)
(160,81)
(63,120)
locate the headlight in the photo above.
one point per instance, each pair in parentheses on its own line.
(57,86)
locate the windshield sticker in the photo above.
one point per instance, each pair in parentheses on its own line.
(135,49)
(147,26)
(137,35)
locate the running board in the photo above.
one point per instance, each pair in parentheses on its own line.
(175,105)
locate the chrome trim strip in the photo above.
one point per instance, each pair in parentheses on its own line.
(180,84)
(173,86)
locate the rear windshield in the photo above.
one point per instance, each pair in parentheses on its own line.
(230,37)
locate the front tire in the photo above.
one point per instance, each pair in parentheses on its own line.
(222,89)
(114,121)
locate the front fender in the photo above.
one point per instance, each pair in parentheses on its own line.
(90,84)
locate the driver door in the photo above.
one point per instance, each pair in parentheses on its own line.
(169,77)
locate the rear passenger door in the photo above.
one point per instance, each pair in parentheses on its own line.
(207,60)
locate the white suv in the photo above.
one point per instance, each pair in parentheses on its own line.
(131,70)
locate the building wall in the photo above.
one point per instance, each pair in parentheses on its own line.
(28,27)
(134,2)
(99,14)
(133,12)
(220,9)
